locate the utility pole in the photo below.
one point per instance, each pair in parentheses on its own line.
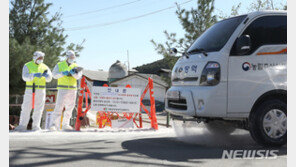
(128,63)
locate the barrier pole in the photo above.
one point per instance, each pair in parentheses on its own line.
(140,120)
(100,120)
(80,102)
(62,116)
(154,124)
(86,99)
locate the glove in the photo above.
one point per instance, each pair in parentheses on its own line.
(45,74)
(38,75)
(65,73)
(73,71)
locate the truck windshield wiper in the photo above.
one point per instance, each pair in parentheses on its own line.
(198,50)
(185,54)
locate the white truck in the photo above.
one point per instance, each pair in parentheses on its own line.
(235,73)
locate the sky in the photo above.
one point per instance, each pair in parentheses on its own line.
(105,43)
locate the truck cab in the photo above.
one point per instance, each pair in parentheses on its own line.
(236,72)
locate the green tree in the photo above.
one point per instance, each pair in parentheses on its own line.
(256,5)
(194,21)
(31,28)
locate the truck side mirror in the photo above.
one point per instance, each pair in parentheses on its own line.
(243,44)
(173,51)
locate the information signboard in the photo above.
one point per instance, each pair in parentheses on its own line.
(115,99)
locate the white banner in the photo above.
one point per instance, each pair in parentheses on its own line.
(115,99)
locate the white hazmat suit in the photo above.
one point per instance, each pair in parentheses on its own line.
(65,98)
(27,101)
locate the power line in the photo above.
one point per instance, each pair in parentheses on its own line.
(75,19)
(123,20)
(103,9)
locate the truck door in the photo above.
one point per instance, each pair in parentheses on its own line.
(249,74)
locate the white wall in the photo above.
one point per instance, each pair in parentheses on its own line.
(138,82)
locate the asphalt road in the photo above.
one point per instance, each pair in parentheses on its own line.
(132,148)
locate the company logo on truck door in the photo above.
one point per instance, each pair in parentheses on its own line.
(246,66)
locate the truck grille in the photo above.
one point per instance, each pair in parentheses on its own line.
(177,104)
(186,79)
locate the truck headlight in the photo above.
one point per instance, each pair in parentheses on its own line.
(174,74)
(173,77)
(210,75)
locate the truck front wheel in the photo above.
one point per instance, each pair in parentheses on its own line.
(268,123)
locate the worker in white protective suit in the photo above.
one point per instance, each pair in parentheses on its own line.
(67,74)
(36,74)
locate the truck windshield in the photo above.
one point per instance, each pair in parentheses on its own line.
(216,36)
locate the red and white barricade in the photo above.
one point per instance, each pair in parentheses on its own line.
(105,118)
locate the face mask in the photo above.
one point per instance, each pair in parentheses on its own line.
(39,61)
(70,61)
